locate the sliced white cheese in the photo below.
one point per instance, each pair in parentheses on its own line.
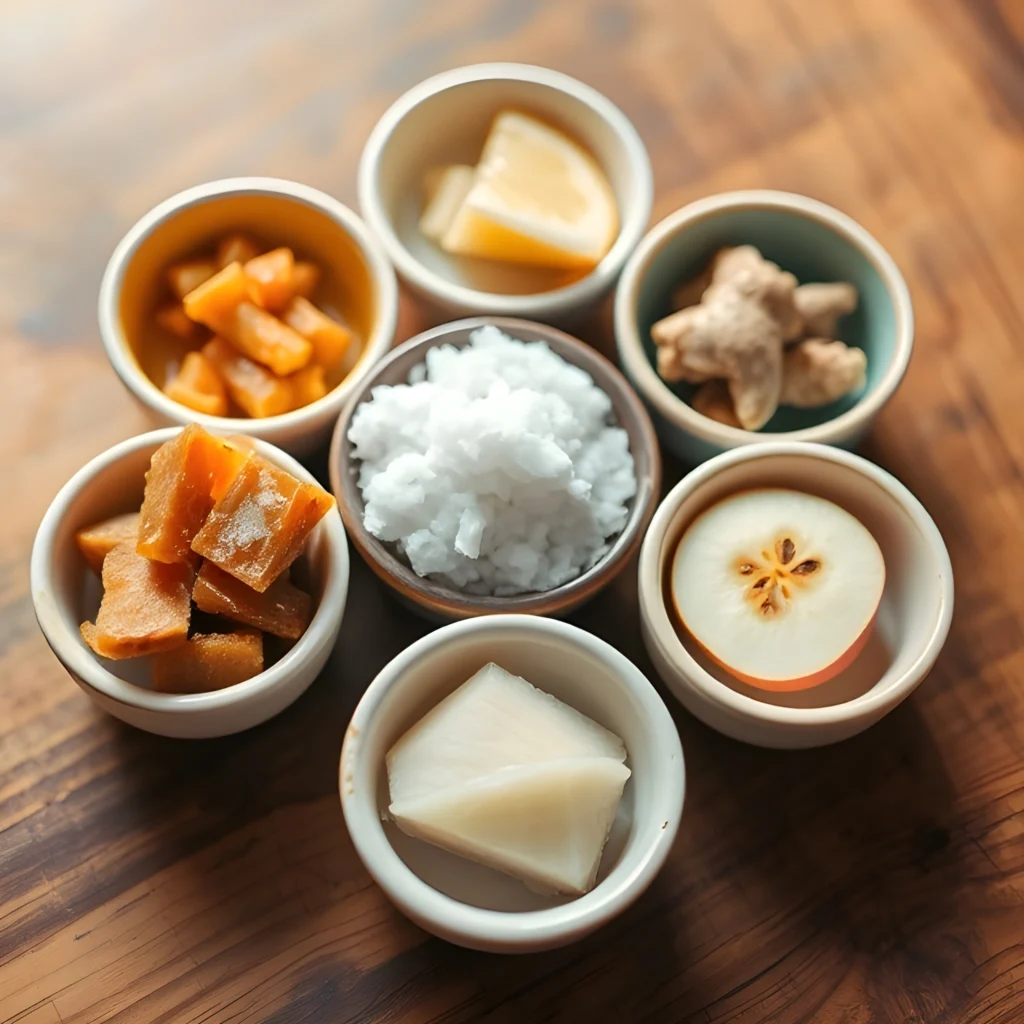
(545,823)
(494,720)
(445,188)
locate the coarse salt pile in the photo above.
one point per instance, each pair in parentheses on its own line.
(495,470)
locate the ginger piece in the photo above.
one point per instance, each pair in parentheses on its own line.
(736,332)
(308,385)
(258,528)
(282,609)
(97,541)
(271,278)
(236,248)
(821,305)
(185,477)
(198,386)
(209,661)
(187,275)
(712,399)
(259,392)
(817,371)
(214,302)
(262,337)
(173,319)
(145,608)
(330,340)
(305,276)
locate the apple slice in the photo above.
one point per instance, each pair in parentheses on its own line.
(779,587)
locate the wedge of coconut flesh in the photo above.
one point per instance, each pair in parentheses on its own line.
(445,188)
(545,823)
(779,587)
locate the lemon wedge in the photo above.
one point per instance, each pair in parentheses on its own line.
(446,189)
(536,198)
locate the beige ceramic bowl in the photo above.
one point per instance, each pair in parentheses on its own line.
(445,120)
(910,629)
(357,282)
(465,902)
(66,592)
(441,603)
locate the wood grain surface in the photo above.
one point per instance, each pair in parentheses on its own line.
(144,879)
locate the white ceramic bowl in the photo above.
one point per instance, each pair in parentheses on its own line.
(279,212)
(66,592)
(464,902)
(911,626)
(445,120)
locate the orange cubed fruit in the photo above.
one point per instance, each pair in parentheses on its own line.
(214,301)
(260,525)
(305,276)
(271,278)
(282,609)
(186,476)
(259,392)
(145,607)
(308,384)
(97,541)
(187,275)
(209,661)
(330,340)
(173,319)
(261,336)
(198,385)
(236,248)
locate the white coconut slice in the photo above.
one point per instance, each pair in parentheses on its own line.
(779,587)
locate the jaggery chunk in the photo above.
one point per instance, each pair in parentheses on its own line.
(214,302)
(282,609)
(236,248)
(97,541)
(173,319)
(261,336)
(186,276)
(198,386)
(145,606)
(185,477)
(253,387)
(260,525)
(307,385)
(209,661)
(330,340)
(271,278)
(305,276)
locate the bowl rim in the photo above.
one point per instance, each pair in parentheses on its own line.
(123,359)
(689,674)
(71,651)
(401,578)
(496,928)
(678,413)
(633,219)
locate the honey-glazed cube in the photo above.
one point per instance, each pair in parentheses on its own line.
(253,387)
(209,661)
(282,609)
(97,541)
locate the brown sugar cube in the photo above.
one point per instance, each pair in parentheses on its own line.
(97,541)
(271,278)
(198,386)
(305,277)
(214,301)
(173,319)
(282,609)
(209,661)
(259,527)
(307,385)
(262,337)
(236,248)
(259,392)
(330,340)
(185,477)
(187,275)
(145,607)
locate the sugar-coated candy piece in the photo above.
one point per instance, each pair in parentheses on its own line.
(307,384)
(282,609)
(236,248)
(261,336)
(305,276)
(173,319)
(209,661)
(187,275)
(199,386)
(214,302)
(97,541)
(330,340)
(259,392)
(271,278)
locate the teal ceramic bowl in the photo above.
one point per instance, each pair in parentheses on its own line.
(813,241)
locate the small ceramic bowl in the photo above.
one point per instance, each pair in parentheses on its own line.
(467,903)
(357,282)
(436,601)
(813,241)
(910,629)
(445,120)
(66,593)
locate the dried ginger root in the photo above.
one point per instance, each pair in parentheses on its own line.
(736,332)
(817,371)
(821,305)
(712,400)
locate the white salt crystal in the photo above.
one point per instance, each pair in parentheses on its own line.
(496,469)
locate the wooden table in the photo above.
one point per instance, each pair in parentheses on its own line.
(144,879)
